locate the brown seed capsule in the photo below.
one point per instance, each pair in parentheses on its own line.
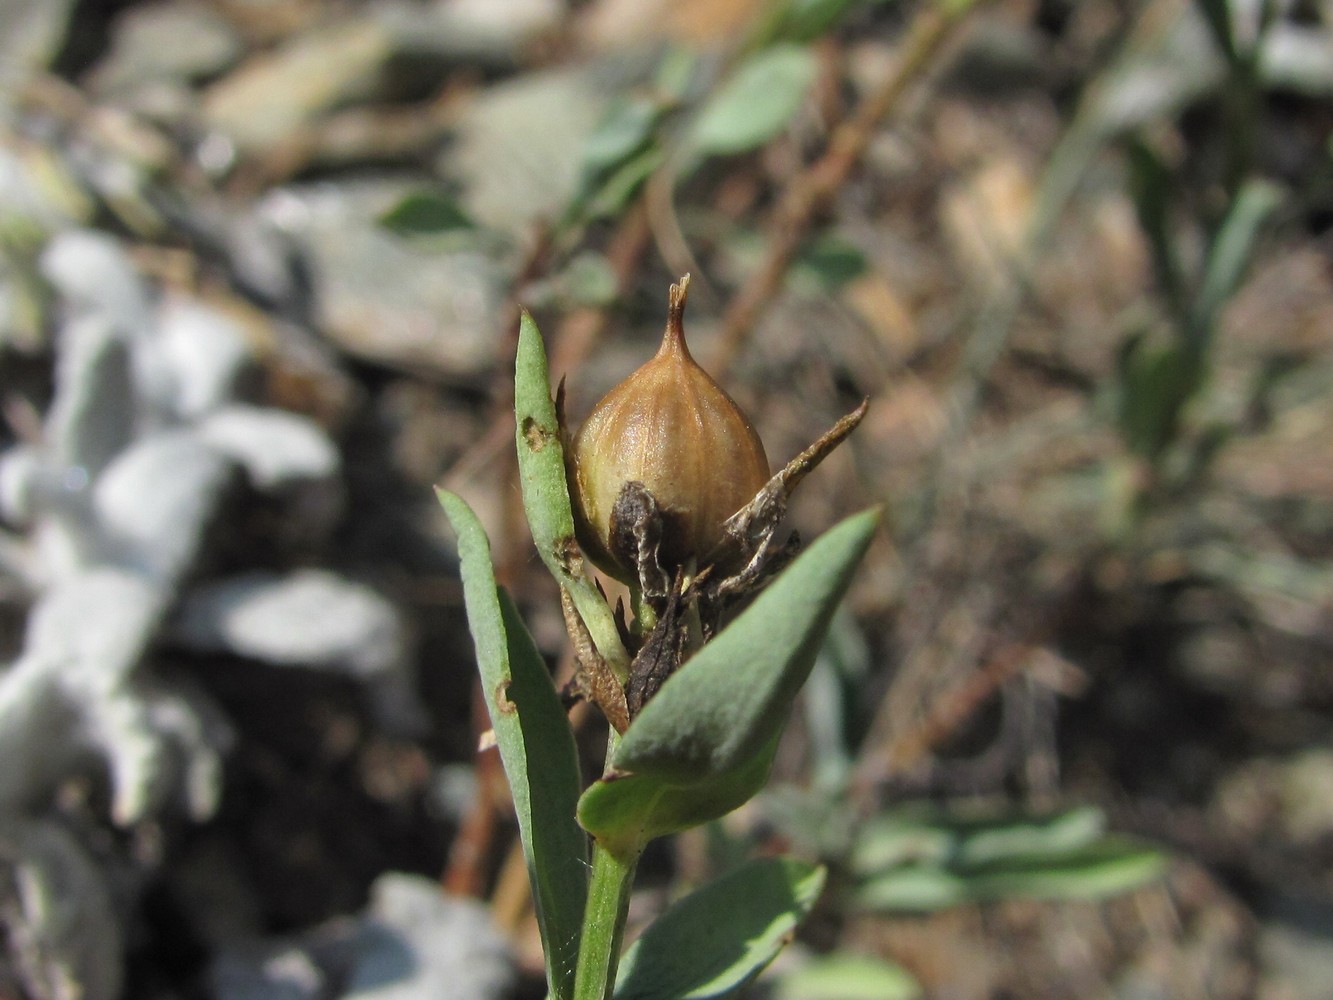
(674,430)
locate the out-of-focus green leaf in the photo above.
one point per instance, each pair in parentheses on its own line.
(801,20)
(1167,62)
(611,197)
(718,938)
(913,889)
(1152,187)
(818,821)
(536,746)
(904,836)
(1217,15)
(1232,250)
(897,838)
(588,280)
(920,862)
(425,213)
(732,698)
(828,264)
(619,156)
(1157,379)
(833,706)
(1263,576)
(1107,868)
(822,266)
(956,8)
(1104,869)
(623,132)
(989,841)
(676,72)
(756,103)
(848,977)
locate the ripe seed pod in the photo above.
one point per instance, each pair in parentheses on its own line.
(672,429)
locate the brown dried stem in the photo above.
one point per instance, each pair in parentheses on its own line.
(580,330)
(955,708)
(811,191)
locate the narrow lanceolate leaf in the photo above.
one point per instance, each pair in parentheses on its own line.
(923,861)
(425,213)
(1109,866)
(848,977)
(732,698)
(541,469)
(906,835)
(715,940)
(1233,249)
(1106,869)
(536,746)
(755,103)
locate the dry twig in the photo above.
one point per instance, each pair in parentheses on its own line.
(811,191)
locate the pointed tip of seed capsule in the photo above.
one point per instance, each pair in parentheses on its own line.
(673,341)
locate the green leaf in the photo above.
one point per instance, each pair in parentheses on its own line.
(955,8)
(588,280)
(1110,867)
(922,863)
(616,190)
(425,213)
(822,266)
(624,812)
(992,841)
(902,836)
(827,264)
(1156,381)
(619,156)
(913,889)
(718,938)
(536,746)
(1107,868)
(676,72)
(1232,250)
(1163,65)
(1217,15)
(801,20)
(848,977)
(541,472)
(1153,188)
(624,131)
(732,698)
(757,102)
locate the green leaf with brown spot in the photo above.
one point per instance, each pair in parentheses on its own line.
(536,746)
(541,471)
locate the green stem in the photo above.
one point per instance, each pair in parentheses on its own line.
(599,622)
(604,916)
(603,923)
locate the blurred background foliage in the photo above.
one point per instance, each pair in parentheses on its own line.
(260,271)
